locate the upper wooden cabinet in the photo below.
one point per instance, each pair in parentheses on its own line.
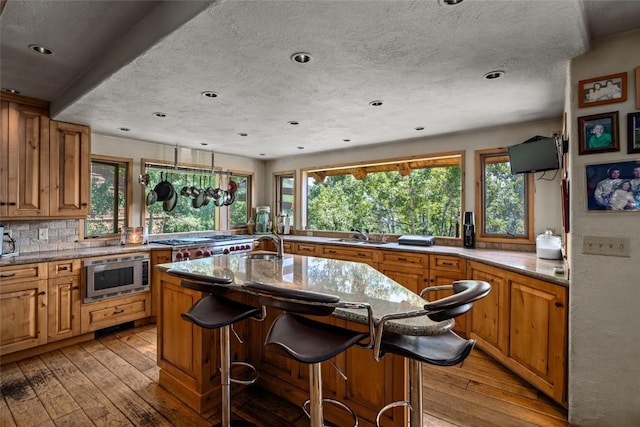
(70,166)
(24,161)
(44,165)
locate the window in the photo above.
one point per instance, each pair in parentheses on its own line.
(285,195)
(240,209)
(110,196)
(417,196)
(504,203)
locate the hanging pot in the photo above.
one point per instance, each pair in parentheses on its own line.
(163,189)
(152,197)
(233,187)
(170,204)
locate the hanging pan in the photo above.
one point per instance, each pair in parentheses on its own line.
(163,189)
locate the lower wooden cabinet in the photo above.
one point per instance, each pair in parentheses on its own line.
(443,271)
(523,324)
(110,312)
(410,270)
(23,306)
(64,308)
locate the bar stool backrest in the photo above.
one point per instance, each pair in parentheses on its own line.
(211,285)
(465,292)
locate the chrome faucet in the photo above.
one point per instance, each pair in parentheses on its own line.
(277,240)
(364,235)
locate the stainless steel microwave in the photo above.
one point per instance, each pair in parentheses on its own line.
(116,276)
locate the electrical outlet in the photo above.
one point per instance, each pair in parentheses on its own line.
(609,246)
(43,234)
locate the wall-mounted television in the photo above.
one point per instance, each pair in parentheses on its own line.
(536,154)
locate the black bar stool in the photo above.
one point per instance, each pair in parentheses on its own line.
(309,341)
(215,311)
(446,349)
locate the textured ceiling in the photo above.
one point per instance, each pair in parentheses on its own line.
(116,63)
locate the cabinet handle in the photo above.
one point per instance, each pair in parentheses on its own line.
(64,268)
(402,259)
(4,276)
(12,203)
(42,293)
(84,204)
(119,311)
(447,263)
(332,252)
(75,288)
(559,304)
(361,254)
(3,204)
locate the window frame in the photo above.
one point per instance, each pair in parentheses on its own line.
(399,164)
(277,197)
(128,217)
(481,236)
(251,179)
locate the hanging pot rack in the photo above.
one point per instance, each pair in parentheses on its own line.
(194,170)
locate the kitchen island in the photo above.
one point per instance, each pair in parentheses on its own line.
(188,356)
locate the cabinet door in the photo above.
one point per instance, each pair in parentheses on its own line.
(538,332)
(157,257)
(412,278)
(70,169)
(445,278)
(307,249)
(24,315)
(25,148)
(489,316)
(64,307)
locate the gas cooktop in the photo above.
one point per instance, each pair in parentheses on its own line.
(209,240)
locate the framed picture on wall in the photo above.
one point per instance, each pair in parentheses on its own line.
(637,87)
(613,186)
(602,90)
(598,133)
(633,133)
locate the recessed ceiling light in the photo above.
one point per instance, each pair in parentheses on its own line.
(300,148)
(293,123)
(242,134)
(159,114)
(376,103)
(262,154)
(346,140)
(209,94)
(492,75)
(124,129)
(204,144)
(301,57)
(9,90)
(451,2)
(419,128)
(40,49)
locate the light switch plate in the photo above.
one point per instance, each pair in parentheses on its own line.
(43,234)
(609,246)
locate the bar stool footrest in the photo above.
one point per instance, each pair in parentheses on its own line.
(392,405)
(307,403)
(254,373)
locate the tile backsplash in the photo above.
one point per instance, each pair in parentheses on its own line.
(61,235)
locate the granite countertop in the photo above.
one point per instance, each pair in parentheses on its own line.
(519,262)
(351,281)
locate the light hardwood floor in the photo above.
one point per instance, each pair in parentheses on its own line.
(113,381)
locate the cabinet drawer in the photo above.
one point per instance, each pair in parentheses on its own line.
(348,254)
(405,258)
(446,262)
(305,249)
(101,314)
(22,273)
(288,247)
(69,267)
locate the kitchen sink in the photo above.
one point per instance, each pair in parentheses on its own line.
(362,242)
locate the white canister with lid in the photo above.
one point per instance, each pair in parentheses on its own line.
(548,245)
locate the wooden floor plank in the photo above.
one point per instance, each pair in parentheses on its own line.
(90,398)
(52,394)
(163,402)
(76,418)
(25,407)
(129,403)
(131,355)
(6,419)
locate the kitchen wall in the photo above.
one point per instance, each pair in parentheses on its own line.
(548,210)
(604,350)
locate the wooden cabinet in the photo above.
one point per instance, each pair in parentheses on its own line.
(349,253)
(538,333)
(70,166)
(44,165)
(157,257)
(306,249)
(443,271)
(64,299)
(523,324)
(110,312)
(408,269)
(24,161)
(23,306)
